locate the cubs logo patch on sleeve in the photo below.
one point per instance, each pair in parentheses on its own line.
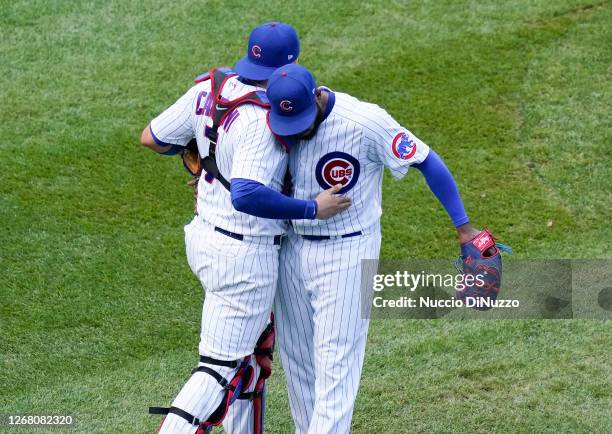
(403,146)
(337,168)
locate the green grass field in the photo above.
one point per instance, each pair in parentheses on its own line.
(99,312)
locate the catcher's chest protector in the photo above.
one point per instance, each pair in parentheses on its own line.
(220,109)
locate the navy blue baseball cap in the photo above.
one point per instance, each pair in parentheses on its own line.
(270,45)
(291,91)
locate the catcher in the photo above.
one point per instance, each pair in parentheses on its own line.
(235,256)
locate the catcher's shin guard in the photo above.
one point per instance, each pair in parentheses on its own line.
(263,355)
(233,389)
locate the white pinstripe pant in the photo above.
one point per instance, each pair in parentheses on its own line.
(240,278)
(321,330)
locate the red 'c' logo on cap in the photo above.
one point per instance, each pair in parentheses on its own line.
(285,105)
(256,50)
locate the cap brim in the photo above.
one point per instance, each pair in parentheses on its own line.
(291,125)
(247,69)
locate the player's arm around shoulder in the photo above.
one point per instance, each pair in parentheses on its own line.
(259,175)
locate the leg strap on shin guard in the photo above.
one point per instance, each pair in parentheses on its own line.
(175,410)
(233,388)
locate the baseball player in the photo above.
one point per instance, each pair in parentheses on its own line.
(234,255)
(337,140)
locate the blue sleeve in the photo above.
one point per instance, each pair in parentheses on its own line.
(442,184)
(174,149)
(254,198)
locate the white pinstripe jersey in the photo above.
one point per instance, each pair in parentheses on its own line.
(352,147)
(245,149)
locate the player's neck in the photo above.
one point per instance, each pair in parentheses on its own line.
(322,100)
